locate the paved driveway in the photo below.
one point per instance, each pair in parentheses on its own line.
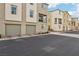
(48,45)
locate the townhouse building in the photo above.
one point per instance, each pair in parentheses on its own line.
(49,22)
(67,21)
(23,18)
(59,20)
(75,24)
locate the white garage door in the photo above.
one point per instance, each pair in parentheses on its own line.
(13,30)
(30,29)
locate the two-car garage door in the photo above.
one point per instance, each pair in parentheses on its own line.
(12,30)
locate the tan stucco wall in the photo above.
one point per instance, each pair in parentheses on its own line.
(22,18)
(66,21)
(39,28)
(34,8)
(74,19)
(39,24)
(2,17)
(49,22)
(76,24)
(41,10)
(66,18)
(9,16)
(23,24)
(53,15)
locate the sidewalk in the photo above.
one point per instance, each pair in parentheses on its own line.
(65,34)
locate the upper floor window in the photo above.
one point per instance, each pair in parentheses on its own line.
(59,20)
(31,3)
(73,23)
(55,20)
(42,18)
(13,9)
(31,13)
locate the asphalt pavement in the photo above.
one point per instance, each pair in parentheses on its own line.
(46,45)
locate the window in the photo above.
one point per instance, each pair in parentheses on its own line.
(59,20)
(74,23)
(31,3)
(31,13)
(42,18)
(55,20)
(13,9)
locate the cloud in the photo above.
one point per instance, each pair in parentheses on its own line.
(77,6)
(71,12)
(77,10)
(53,5)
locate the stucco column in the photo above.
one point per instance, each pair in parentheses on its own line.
(2,18)
(23,24)
(2,28)
(23,29)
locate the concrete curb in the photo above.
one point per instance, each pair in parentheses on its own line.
(55,33)
(12,38)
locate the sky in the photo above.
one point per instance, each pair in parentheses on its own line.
(72,8)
